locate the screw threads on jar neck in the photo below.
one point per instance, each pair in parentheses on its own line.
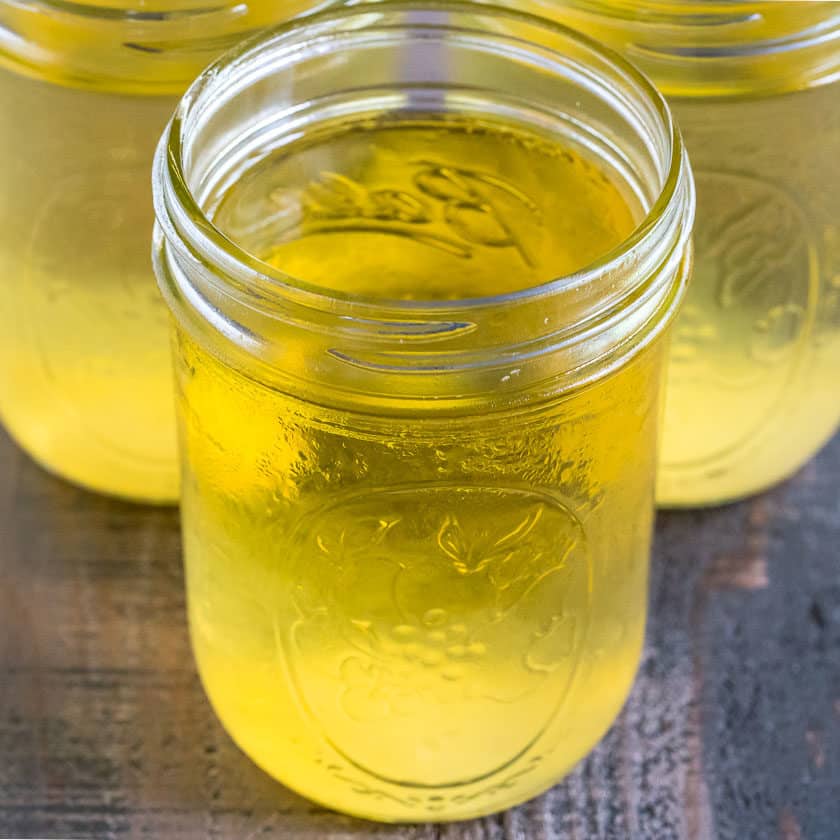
(127,46)
(714,48)
(498,61)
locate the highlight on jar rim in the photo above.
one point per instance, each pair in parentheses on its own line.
(418,464)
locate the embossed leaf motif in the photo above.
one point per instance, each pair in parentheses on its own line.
(452,543)
(467,599)
(464,208)
(398,206)
(469,207)
(522,554)
(471,556)
(752,248)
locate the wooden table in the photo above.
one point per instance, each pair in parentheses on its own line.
(732,731)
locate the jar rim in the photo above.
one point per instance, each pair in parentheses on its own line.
(352,349)
(712,47)
(692,12)
(127,10)
(128,46)
(170,170)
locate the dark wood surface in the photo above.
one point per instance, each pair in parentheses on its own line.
(732,730)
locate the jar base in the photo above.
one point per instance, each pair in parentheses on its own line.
(159,491)
(718,491)
(314,768)
(424,816)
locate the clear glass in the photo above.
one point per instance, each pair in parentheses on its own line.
(753,383)
(416,529)
(85,91)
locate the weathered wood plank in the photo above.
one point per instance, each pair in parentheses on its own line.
(732,730)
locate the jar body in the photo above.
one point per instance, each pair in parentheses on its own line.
(85,92)
(751,391)
(753,386)
(85,374)
(418,479)
(415,618)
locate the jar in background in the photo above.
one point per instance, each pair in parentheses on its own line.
(753,379)
(422,260)
(85,91)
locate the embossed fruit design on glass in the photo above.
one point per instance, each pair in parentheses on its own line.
(753,380)
(421,277)
(85,90)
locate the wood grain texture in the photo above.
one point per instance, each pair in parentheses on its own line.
(732,730)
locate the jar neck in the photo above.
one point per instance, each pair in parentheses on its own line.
(128,46)
(424,354)
(714,48)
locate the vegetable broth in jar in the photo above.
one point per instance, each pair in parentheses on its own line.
(752,387)
(85,91)
(418,360)
(434,606)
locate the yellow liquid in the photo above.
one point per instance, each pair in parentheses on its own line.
(752,387)
(434,615)
(85,368)
(753,380)
(85,373)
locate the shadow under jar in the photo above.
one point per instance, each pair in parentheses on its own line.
(85,91)
(752,388)
(422,259)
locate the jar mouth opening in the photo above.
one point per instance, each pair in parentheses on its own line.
(255,274)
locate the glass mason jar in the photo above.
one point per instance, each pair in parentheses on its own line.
(85,90)
(418,491)
(753,378)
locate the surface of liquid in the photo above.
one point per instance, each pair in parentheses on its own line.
(376,211)
(424,616)
(85,373)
